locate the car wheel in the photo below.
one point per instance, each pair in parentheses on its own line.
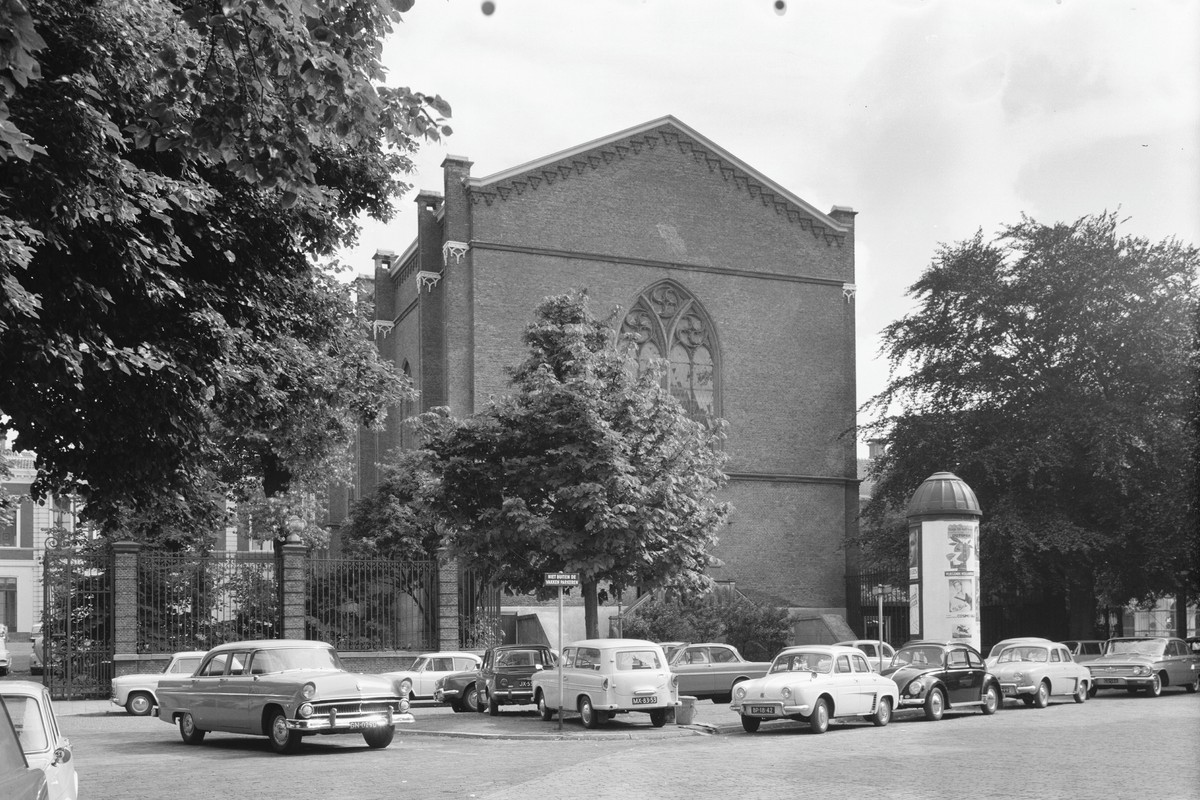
(139,704)
(481,699)
(1027,699)
(1155,687)
(188,730)
(750,724)
(379,738)
(818,720)
(546,711)
(470,698)
(883,714)
(1041,699)
(991,701)
(1193,687)
(935,705)
(283,739)
(587,713)
(493,705)
(658,717)
(1082,692)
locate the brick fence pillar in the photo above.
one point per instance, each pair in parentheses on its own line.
(125,597)
(294,592)
(447,581)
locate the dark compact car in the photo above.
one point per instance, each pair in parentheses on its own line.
(937,675)
(504,675)
(459,690)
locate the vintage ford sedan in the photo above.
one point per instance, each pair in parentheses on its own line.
(283,689)
(1145,664)
(45,745)
(935,675)
(603,677)
(1035,671)
(138,693)
(815,684)
(712,670)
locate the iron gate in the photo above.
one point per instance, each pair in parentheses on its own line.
(77,620)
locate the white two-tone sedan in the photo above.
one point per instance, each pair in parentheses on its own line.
(138,693)
(814,684)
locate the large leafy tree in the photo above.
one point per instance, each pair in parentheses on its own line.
(586,467)
(1054,370)
(170,172)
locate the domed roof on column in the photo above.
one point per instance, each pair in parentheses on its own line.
(943,494)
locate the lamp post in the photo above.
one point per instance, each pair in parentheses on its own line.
(878,592)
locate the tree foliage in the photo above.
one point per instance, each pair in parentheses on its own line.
(1054,370)
(169,172)
(586,467)
(758,632)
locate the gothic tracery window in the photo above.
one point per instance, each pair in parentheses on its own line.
(667,322)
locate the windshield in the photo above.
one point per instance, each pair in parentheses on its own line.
(295,658)
(26,715)
(1010,654)
(918,657)
(1146,647)
(803,661)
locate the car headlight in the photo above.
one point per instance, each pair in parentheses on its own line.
(916,687)
(739,692)
(1141,669)
(787,693)
(404,706)
(309,691)
(305,711)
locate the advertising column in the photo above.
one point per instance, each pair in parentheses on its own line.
(943,560)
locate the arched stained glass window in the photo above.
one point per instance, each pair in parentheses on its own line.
(666,319)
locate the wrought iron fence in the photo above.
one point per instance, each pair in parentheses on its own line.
(862,606)
(479,622)
(194,601)
(77,619)
(358,604)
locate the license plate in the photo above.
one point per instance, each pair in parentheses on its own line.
(1108,680)
(522,684)
(645,701)
(1010,690)
(762,710)
(373,723)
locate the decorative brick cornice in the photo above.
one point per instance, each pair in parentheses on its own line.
(665,136)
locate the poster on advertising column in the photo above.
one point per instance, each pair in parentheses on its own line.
(950,579)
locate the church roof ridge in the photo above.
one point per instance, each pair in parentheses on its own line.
(598,151)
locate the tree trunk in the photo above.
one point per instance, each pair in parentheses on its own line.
(591,609)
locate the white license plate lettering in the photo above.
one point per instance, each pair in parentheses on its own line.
(762,709)
(645,701)
(365,724)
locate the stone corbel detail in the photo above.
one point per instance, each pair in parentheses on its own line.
(381,325)
(456,249)
(848,291)
(428,280)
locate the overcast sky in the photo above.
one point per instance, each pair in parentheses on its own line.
(931,119)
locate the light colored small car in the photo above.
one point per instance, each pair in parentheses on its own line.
(283,689)
(45,746)
(712,670)
(137,693)
(871,648)
(1084,650)
(36,657)
(419,681)
(5,658)
(18,780)
(1145,664)
(994,653)
(603,677)
(815,684)
(1033,672)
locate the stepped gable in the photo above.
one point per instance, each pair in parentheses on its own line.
(664,132)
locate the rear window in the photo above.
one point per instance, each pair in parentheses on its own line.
(638,659)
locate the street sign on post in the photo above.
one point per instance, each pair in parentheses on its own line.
(561,579)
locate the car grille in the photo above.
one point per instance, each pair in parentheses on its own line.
(1114,671)
(355,707)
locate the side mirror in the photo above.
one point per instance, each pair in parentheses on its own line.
(61,755)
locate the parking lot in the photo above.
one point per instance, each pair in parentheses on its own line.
(1113,746)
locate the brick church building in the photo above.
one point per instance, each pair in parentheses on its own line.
(744,287)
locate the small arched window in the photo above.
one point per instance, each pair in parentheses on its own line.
(667,322)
